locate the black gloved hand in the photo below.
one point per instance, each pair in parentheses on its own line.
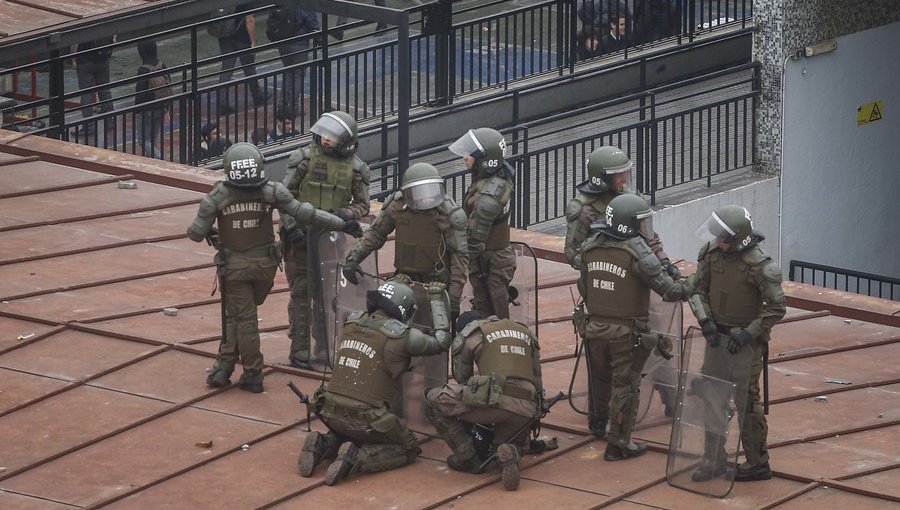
(353,228)
(343,214)
(350,272)
(671,269)
(739,340)
(453,317)
(710,332)
(295,236)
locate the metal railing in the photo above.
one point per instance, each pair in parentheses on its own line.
(848,280)
(489,45)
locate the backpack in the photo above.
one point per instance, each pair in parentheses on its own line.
(161,83)
(281,24)
(223,28)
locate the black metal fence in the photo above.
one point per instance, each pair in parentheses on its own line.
(478,47)
(868,284)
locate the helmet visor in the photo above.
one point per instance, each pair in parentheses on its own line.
(424,195)
(620,179)
(645,221)
(466,145)
(714,229)
(331,127)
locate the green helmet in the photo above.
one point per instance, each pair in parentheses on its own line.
(486,145)
(603,167)
(244,166)
(338,127)
(422,187)
(629,215)
(394,298)
(731,224)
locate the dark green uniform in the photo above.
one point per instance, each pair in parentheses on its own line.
(335,184)
(492,261)
(741,290)
(616,279)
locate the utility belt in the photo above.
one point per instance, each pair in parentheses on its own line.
(486,390)
(331,408)
(629,323)
(261,251)
(725,330)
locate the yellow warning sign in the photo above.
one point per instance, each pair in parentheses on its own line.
(869,112)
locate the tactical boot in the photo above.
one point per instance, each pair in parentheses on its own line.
(296,363)
(312,454)
(748,473)
(343,465)
(614,452)
(508,459)
(251,384)
(598,427)
(218,379)
(470,465)
(707,472)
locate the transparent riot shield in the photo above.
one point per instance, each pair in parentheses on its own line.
(523,305)
(706,433)
(332,297)
(659,383)
(660,374)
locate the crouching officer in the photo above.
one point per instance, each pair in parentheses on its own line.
(738,299)
(330,176)
(375,350)
(501,399)
(242,205)
(618,271)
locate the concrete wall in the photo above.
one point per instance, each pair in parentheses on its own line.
(841,180)
(677,225)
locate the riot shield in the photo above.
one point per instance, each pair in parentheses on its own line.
(712,393)
(523,306)
(331,296)
(660,375)
(659,383)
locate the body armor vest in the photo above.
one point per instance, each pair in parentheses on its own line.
(360,371)
(613,290)
(328,181)
(498,236)
(733,299)
(506,350)
(419,243)
(246,225)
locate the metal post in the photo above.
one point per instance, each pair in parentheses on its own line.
(403,91)
(57,97)
(194,139)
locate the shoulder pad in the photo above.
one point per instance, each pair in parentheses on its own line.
(457,217)
(470,327)
(274,192)
(573,209)
(458,342)
(360,167)
(705,249)
(494,186)
(354,316)
(772,272)
(393,328)
(390,198)
(219,193)
(298,156)
(647,261)
(754,256)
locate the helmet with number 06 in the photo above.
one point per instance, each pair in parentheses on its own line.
(486,145)
(628,216)
(244,166)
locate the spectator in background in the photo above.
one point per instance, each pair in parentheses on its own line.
(148,90)
(604,27)
(211,144)
(92,67)
(241,37)
(288,24)
(259,137)
(615,37)
(655,20)
(284,126)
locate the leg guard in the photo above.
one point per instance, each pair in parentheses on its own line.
(383,457)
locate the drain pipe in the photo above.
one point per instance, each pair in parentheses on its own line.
(793,56)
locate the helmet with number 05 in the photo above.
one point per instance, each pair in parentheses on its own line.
(730,224)
(422,187)
(608,168)
(486,145)
(394,298)
(628,216)
(336,133)
(244,166)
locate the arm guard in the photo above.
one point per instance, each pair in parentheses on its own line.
(701,286)
(419,343)
(359,206)
(575,232)
(457,245)
(650,268)
(375,237)
(489,205)
(440,319)
(206,213)
(297,167)
(767,277)
(463,358)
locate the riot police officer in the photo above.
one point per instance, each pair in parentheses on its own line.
(492,261)
(330,176)
(738,299)
(502,398)
(242,206)
(430,244)
(375,351)
(609,175)
(618,271)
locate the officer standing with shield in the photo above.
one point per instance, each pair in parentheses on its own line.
(492,261)
(375,350)
(618,271)
(330,176)
(242,206)
(738,299)
(502,398)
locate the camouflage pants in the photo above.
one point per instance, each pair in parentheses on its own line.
(491,296)
(296,268)
(248,281)
(449,414)
(614,376)
(384,441)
